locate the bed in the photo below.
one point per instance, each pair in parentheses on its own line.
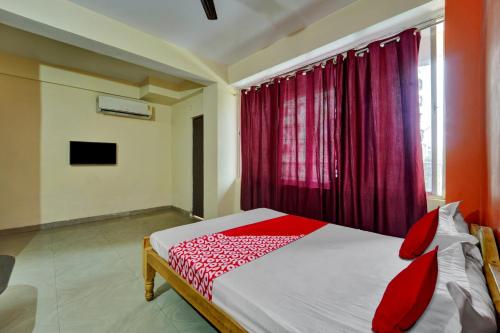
(360,263)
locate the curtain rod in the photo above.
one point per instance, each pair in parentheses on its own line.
(360,49)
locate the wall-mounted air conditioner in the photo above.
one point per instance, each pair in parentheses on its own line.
(123,107)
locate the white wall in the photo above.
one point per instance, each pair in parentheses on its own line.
(142,177)
(182,152)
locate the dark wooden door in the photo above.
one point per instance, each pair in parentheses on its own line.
(198,166)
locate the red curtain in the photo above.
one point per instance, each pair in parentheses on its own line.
(340,143)
(288,140)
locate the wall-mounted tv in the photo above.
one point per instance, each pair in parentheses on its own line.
(96,153)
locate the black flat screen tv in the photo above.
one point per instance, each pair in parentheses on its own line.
(93,153)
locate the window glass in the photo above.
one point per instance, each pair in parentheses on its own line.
(431,102)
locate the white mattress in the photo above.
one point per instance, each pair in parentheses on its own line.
(329,281)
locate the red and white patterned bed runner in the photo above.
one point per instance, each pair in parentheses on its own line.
(199,261)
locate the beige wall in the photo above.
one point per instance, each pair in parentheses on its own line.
(210,149)
(154,157)
(20,150)
(182,152)
(217,103)
(53,106)
(220,140)
(141,178)
(227,154)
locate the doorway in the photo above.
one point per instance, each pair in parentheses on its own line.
(198,166)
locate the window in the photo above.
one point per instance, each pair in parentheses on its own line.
(304,157)
(294,137)
(431,99)
(431,102)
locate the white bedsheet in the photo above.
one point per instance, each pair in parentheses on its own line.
(329,281)
(162,241)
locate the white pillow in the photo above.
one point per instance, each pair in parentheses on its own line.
(442,314)
(447,233)
(452,210)
(470,319)
(480,299)
(460,223)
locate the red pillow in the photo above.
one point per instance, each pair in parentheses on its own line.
(420,235)
(407,295)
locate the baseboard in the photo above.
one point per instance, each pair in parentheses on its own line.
(64,223)
(180,210)
(187,213)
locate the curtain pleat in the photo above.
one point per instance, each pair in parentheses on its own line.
(340,142)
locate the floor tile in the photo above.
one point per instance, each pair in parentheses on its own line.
(166,298)
(17,243)
(22,306)
(143,318)
(88,278)
(186,319)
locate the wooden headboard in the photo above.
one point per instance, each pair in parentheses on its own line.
(491,260)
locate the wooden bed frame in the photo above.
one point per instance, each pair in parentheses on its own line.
(153,263)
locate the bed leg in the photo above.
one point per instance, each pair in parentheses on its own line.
(148,272)
(149,283)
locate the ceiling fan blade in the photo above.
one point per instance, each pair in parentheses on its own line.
(209,7)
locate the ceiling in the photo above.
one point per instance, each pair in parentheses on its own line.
(243,27)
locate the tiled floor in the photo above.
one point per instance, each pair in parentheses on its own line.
(87,278)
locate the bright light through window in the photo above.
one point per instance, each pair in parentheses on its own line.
(431,94)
